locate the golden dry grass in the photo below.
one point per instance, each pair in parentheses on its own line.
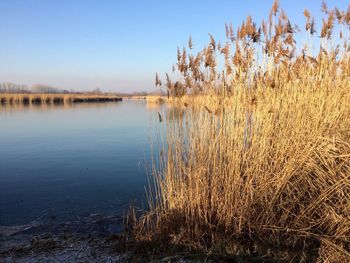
(156,99)
(260,161)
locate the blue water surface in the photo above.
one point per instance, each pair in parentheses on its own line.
(73,161)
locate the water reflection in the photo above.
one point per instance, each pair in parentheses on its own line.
(168,111)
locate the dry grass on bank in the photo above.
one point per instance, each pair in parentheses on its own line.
(47,98)
(260,162)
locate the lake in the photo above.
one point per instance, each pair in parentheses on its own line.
(73,161)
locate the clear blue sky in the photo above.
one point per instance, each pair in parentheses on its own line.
(115,45)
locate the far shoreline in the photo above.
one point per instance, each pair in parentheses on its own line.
(55,98)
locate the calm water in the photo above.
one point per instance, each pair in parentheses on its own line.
(72,161)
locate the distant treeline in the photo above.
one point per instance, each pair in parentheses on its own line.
(13,88)
(16,88)
(39,88)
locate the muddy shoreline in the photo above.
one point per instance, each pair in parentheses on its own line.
(94,238)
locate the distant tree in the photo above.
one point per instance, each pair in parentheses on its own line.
(13,88)
(39,88)
(96,91)
(140,93)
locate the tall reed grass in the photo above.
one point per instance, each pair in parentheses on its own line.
(260,161)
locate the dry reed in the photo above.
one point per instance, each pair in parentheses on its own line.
(260,161)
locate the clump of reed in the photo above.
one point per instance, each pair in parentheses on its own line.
(156,99)
(260,161)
